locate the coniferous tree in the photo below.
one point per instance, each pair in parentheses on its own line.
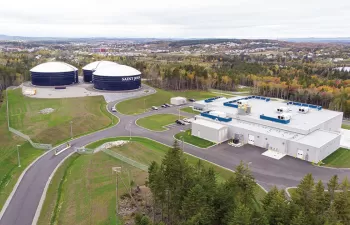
(242,215)
(342,202)
(333,186)
(300,219)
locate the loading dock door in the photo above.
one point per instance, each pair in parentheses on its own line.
(250,139)
(300,154)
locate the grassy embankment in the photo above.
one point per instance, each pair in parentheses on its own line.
(345,126)
(157,122)
(339,159)
(142,104)
(190,110)
(188,138)
(88,114)
(87,192)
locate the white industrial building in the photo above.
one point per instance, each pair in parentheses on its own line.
(290,128)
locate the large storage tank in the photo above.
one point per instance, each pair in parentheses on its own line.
(54,74)
(89,69)
(116,78)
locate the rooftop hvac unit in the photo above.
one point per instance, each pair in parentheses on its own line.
(283,109)
(241,102)
(285,116)
(304,109)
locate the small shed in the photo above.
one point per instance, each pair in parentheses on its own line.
(210,131)
(178,101)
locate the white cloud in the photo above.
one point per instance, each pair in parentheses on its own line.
(181,18)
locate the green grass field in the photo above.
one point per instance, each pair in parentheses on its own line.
(188,138)
(52,128)
(190,110)
(158,121)
(85,185)
(88,114)
(140,105)
(339,159)
(9,170)
(86,190)
(345,126)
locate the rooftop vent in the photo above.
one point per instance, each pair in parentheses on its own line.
(304,109)
(283,109)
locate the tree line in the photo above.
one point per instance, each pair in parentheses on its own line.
(191,195)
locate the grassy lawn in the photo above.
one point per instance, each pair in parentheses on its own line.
(88,114)
(190,110)
(158,121)
(345,126)
(140,105)
(9,170)
(339,159)
(86,190)
(188,138)
(83,189)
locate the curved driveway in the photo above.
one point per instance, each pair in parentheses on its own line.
(267,172)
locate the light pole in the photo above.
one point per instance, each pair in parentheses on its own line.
(182,137)
(18,159)
(71,129)
(117,170)
(130,130)
(249,163)
(179,113)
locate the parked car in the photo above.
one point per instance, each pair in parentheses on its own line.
(163,106)
(191,100)
(187,120)
(180,122)
(113,109)
(167,105)
(154,108)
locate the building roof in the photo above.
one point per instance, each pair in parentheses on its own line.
(96,64)
(318,138)
(53,67)
(300,123)
(207,123)
(116,71)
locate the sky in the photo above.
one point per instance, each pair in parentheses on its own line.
(275,19)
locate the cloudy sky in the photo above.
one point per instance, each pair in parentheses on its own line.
(176,19)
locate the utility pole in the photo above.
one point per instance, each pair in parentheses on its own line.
(18,159)
(117,170)
(71,129)
(130,130)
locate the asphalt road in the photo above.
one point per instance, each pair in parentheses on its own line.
(267,172)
